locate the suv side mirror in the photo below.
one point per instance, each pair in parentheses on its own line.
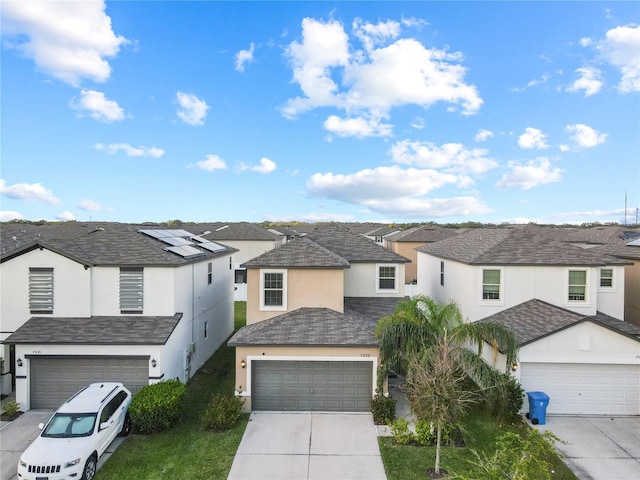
(104,425)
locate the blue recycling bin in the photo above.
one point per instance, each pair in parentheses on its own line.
(538,402)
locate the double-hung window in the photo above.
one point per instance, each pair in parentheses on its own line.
(41,290)
(490,284)
(387,280)
(273,291)
(606,278)
(131,290)
(577,285)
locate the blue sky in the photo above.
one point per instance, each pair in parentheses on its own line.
(320,111)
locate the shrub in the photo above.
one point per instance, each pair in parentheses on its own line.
(222,412)
(426,433)
(157,407)
(401,433)
(11,408)
(507,401)
(383,409)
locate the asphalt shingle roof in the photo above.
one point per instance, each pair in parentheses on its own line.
(424,234)
(514,246)
(354,248)
(234,231)
(309,327)
(535,319)
(95,243)
(107,330)
(299,253)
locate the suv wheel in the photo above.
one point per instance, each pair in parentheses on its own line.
(126,426)
(89,469)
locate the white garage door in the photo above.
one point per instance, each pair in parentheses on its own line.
(585,389)
(55,379)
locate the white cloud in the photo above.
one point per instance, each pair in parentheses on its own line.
(532,138)
(358,127)
(589,81)
(532,83)
(621,48)
(418,123)
(191,110)
(65,216)
(130,151)
(67,40)
(213,162)
(28,192)
(243,57)
(90,206)
(451,157)
(98,106)
(585,136)
(431,208)
(266,166)
(6,215)
(535,173)
(483,135)
(367,84)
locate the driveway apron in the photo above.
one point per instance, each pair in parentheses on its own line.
(598,448)
(308,446)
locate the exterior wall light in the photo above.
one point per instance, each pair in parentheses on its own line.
(514,367)
(153,362)
(19,362)
(243,363)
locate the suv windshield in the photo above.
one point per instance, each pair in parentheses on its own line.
(65,425)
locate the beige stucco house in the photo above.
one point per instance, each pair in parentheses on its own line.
(312,308)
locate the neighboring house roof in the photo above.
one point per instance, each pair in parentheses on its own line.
(96,243)
(380,231)
(354,248)
(107,330)
(424,234)
(534,319)
(299,253)
(308,327)
(514,246)
(373,308)
(235,231)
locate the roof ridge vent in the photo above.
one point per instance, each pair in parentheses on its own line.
(221,228)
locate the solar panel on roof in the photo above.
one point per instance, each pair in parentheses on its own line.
(199,239)
(176,241)
(185,251)
(153,233)
(212,247)
(634,243)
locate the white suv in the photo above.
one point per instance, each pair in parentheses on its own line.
(78,434)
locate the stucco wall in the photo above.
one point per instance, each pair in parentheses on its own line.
(305,288)
(361,280)
(632,293)
(249,354)
(407,250)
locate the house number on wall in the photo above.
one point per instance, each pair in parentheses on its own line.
(365,354)
(37,351)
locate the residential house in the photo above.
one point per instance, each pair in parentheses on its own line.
(85,302)
(565,304)
(312,308)
(249,239)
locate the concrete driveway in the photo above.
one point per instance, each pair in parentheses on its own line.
(308,446)
(598,448)
(17,435)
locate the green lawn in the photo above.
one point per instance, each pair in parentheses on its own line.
(188,451)
(411,462)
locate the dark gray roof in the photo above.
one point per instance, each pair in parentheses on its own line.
(309,327)
(95,243)
(535,319)
(353,247)
(424,234)
(108,330)
(235,231)
(299,253)
(514,246)
(373,308)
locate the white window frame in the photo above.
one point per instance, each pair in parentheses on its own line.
(274,308)
(209,273)
(586,300)
(135,307)
(41,293)
(612,287)
(500,299)
(442,273)
(396,270)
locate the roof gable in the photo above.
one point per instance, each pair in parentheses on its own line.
(299,253)
(353,247)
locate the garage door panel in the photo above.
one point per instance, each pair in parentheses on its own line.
(319,385)
(589,389)
(55,379)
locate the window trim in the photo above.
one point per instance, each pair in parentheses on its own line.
(41,284)
(273,308)
(492,301)
(586,300)
(209,273)
(442,273)
(396,271)
(130,309)
(610,288)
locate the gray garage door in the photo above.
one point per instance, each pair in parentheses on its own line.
(311,386)
(55,379)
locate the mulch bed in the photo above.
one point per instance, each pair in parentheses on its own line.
(6,417)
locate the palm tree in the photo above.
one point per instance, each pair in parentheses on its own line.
(431,342)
